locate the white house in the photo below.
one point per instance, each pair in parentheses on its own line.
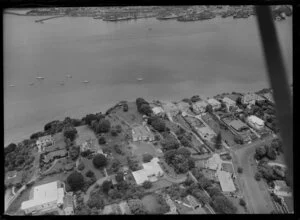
(281,189)
(45,198)
(229,102)
(150,172)
(44,141)
(157,110)
(255,122)
(214,103)
(199,107)
(214,162)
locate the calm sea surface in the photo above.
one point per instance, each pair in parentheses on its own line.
(176,60)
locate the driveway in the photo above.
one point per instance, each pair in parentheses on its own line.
(256,195)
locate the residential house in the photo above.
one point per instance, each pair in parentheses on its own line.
(170,107)
(68,204)
(48,158)
(11,174)
(173,208)
(125,210)
(281,189)
(199,107)
(112,209)
(238,125)
(229,102)
(44,141)
(45,197)
(214,163)
(150,172)
(255,122)
(158,110)
(226,181)
(214,103)
(193,202)
(142,133)
(269,97)
(206,132)
(250,98)
(183,106)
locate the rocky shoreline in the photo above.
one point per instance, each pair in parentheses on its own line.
(180,13)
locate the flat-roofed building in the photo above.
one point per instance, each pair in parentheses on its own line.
(238,125)
(214,103)
(199,107)
(183,106)
(226,181)
(281,189)
(44,198)
(193,202)
(150,172)
(158,110)
(255,122)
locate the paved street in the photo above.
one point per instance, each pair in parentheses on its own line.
(258,200)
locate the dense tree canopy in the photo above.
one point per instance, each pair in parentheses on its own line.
(180,160)
(137,207)
(222,205)
(10,148)
(147,158)
(102,140)
(120,177)
(106,186)
(89,118)
(169,143)
(260,152)
(70,132)
(157,123)
(104,126)
(74,152)
(147,184)
(195,98)
(100,161)
(209,109)
(75,181)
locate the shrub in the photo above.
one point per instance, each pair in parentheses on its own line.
(147,158)
(119,128)
(257,176)
(81,166)
(104,126)
(242,202)
(222,205)
(114,133)
(125,107)
(70,132)
(106,186)
(117,148)
(100,161)
(86,153)
(76,181)
(147,184)
(89,173)
(240,170)
(119,177)
(102,140)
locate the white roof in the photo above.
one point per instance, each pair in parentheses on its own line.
(214,163)
(213,102)
(200,104)
(256,120)
(44,138)
(157,110)
(151,168)
(226,181)
(228,101)
(44,194)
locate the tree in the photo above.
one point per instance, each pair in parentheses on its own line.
(222,205)
(86,153)
(102,140)
(260,152)
(125,107)
(76,181)
(158,124)
(100,161)
(238,140)
(239,100)
(10,148)
(120,177)
(209,108)
(147,184)
(242,202)
(115,165)
(89,174)
(70,132)
(213,191)
(257,176)
(240,170)
(95,201)
(169,144)
(136,206)
(114,194)
(74,152)
(147,158)
(195,98)
(104,126)
(114,133)
(218,143)
(117,148)
(271,153)
(145,109)
(118,128)
(106,186)
(89,118)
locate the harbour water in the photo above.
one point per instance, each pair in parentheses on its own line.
(175,59)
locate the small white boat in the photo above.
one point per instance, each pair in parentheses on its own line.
(85,81)
(11,85)
(69,76)
(139,79)
(40,77)
(62,83)
(31,84)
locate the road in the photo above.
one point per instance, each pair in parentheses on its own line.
(256,195)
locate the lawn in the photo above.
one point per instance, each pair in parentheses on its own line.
(132,116)
(59,140)
(227,136)
(16,204)
(140,148)
(151,204)
(84,134)
(89,166)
